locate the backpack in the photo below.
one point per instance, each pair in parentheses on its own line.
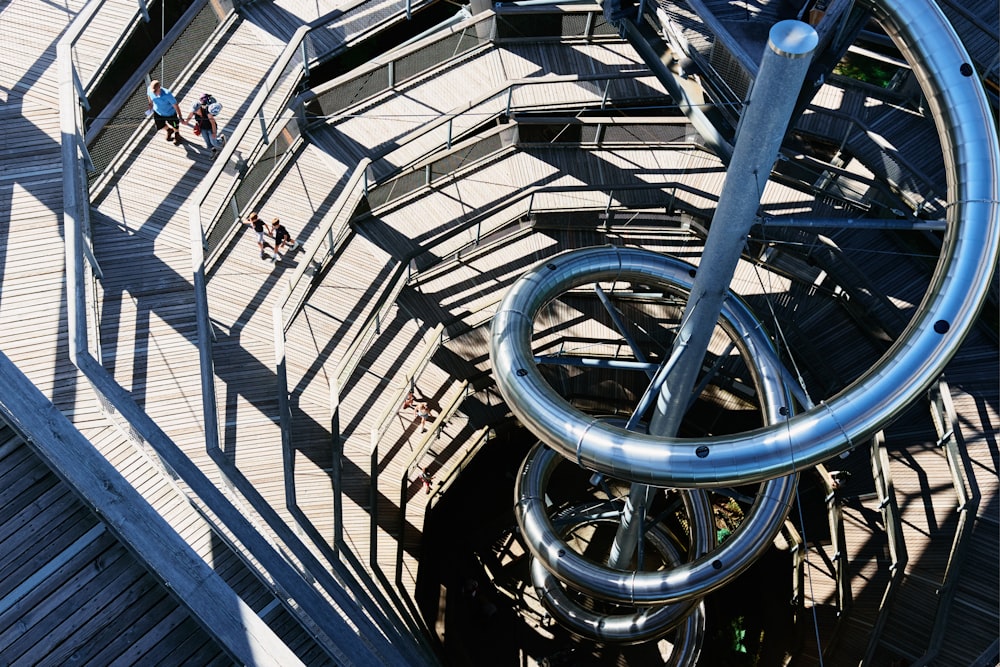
(212,105)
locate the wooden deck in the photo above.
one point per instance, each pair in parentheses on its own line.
(148,333)
(59,556)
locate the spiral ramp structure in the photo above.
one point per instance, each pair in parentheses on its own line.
(482,208)
(787,444)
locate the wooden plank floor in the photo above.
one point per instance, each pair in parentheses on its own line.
(141,238)
(58,557)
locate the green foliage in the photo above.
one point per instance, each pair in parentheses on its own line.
(865,69)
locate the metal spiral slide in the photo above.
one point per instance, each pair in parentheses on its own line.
(774,454)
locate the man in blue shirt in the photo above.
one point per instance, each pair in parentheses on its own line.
(166,112)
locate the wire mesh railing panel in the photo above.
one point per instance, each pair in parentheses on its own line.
(459,159)
(285,85)
(437,52)
(249,184)
(645,133)
(563,24)
(731,72)
(106,147)
(353,91)
(601,27)
(396,188)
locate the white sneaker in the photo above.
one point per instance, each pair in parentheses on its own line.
(275,259)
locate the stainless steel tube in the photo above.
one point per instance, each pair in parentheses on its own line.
(957,290)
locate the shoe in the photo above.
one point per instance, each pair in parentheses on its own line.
(170,137)
(423,430)
(178,139)
(222,139)
(275,259)
(263,255)
(215,153)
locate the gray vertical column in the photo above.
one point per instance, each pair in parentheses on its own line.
(758,139)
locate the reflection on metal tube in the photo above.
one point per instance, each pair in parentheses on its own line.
(957,291)
(644,624)
(712,569)
(958,288)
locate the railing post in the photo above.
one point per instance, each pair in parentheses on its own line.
(450,123)
(373,509)
(305,59)
(391,73)
(144,10)
(337,446)
(81,94)
(88,163)
(205,333)
(284,412)
(263,127)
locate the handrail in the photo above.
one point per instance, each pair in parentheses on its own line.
(967,493)
(886,494)
(379,428)
(88,13)
(446,413)
(112,136)
(485,108)
(433,344)
(331,232)
(388,61)
(797,547)
(479,439)
(330,630)
(372,327)
(133,521)
(523,203)
(838,539)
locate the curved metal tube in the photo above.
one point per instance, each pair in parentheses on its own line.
(943,318)
(949,309)
(636,628)
(699,577)
(710,570)
(645,624)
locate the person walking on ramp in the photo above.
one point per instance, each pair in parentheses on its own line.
(166,113)
(282,239)
(258,227)
(204,112)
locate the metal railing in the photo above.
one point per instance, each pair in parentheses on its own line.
(838,540)
(579,92)
(331,233)
(886,494)
(430,437)
(386,72)
(967,496)
(274,567)
(432,344)
(112,135)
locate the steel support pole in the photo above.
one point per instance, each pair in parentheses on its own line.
(758,138)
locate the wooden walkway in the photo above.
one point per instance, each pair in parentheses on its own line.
(146,303)
(57,555)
